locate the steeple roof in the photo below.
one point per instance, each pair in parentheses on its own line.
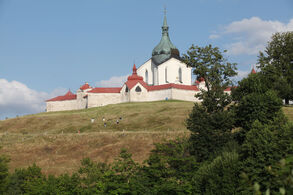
(85,86)
(68,96)
(165,49)
(253,71)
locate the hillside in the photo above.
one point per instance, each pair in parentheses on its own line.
(52,141)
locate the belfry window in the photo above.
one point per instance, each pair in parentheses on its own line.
(147,77)
(138,89)
(180,75)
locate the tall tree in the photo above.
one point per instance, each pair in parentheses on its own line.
(209,122)
(277,64)
(209,63)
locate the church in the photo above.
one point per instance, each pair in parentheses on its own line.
(162,77)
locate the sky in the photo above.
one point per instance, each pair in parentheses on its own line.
(49,47)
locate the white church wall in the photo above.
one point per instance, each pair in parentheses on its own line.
(102,99)
(141,71)
(141,96)
(124,94)
(186,95)
(61,105)
(159,95)
(81,100)
(172,66)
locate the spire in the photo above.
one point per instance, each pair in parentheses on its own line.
(165,26)
(165,49)
(134,70)
(252,70)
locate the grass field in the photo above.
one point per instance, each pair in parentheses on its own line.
(52,141)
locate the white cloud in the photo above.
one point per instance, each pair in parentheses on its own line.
(249,36)
(18,99)
(214,36)
(115,81)
(242,74)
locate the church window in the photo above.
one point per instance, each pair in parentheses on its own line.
(138,89)
(126,89)
(147,76)
(180,75)
(166,75)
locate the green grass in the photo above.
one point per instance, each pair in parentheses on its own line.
(153,116)
(52,141)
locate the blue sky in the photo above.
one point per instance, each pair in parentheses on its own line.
(47,47)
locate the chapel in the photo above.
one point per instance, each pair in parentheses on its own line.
(162,77)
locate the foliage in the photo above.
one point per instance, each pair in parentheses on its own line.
(210,131)
(209,122)
(210,64)
(3,173)
(169,169)
(263,147)
(277,64)
(263,107)
(220,176)
(254,83)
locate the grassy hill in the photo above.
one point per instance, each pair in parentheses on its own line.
(52,141)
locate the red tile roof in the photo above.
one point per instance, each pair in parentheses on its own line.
(253,71)
(133,79)
(68,96)
(229,88)
(105,90)
(85,86)
(172,85)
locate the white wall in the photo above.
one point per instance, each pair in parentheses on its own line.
(160,95)
(80,100)
(61,105)
(138,96)
(186,95)
(102,99)
(173,66)
(142,69)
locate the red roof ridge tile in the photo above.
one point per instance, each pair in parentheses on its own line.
(105,90)
(68,96)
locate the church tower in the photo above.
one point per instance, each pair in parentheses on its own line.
(165,67)
(165,49)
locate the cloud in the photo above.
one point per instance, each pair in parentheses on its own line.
(242,74)
(18,99)
(115,81)
(214,36)
(249,36)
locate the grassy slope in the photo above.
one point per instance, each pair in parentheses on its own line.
(51,139)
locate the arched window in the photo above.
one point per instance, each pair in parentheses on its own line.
(166,75)
(146,76)
(138,89)
(126,89)
(180,75)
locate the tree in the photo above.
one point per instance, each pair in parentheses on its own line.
(277,64)
(210,64)
(264,146)
(218,177)
(3,173)
(255,101)
(209,122)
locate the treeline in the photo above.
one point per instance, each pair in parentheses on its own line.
(239,144)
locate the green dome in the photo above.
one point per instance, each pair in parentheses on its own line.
(165,49)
